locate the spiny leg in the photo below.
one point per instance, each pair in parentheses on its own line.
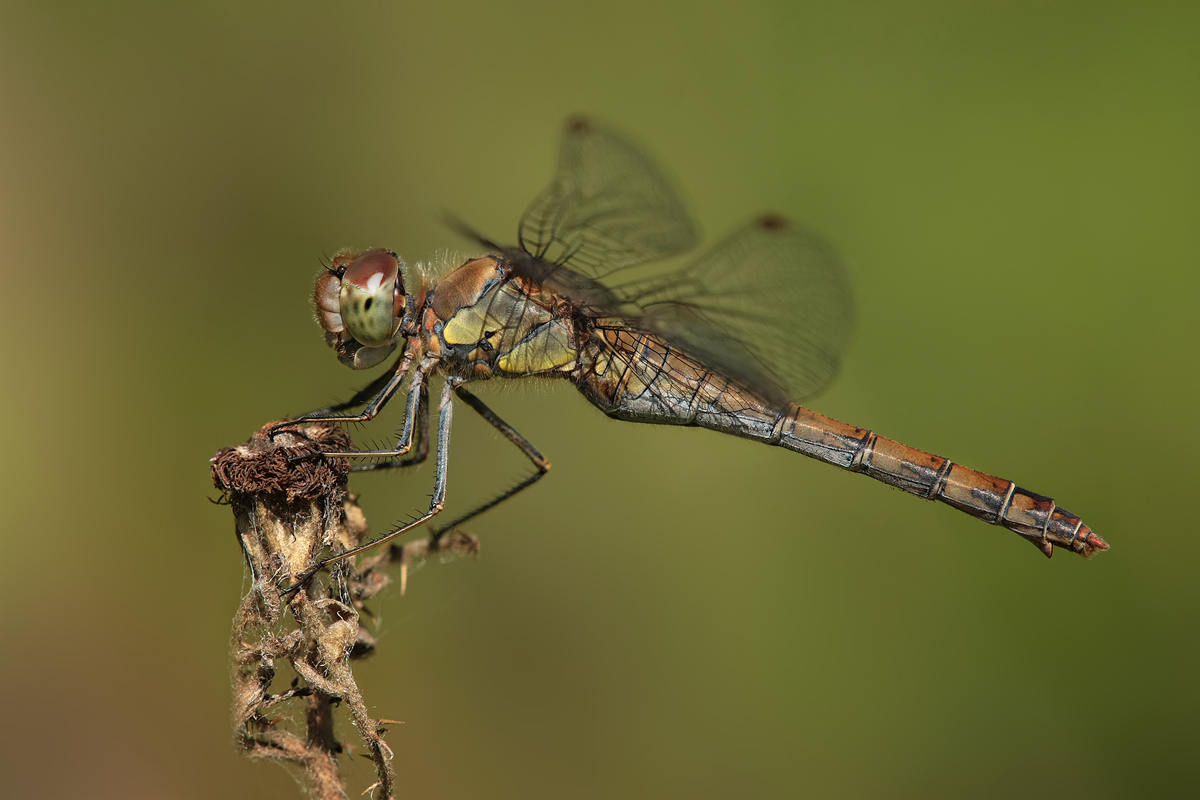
(436,503)
(416,390)
(363,395)
(524,445)
(389,383)
(420,432)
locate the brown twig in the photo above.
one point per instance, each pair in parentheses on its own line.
(287,511)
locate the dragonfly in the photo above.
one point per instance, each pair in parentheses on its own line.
(731,341)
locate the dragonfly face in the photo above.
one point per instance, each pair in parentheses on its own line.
(360,302)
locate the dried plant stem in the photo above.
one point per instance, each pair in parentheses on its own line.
(287,512)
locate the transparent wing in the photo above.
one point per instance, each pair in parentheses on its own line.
(769,306)
(608,207)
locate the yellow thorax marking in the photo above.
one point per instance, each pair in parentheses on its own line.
(549,348)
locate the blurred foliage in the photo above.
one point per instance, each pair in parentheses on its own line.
(671,612)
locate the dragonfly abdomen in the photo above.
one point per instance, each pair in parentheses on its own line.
(638,377)
(995,500)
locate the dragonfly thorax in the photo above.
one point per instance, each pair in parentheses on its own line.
(360,301)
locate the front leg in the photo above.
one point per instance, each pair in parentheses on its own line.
(436,503)
(363,396)
(420,438)
(412,416)
(390,385)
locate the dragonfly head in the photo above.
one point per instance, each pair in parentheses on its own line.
(360,303)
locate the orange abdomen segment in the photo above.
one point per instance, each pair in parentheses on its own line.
(992,499)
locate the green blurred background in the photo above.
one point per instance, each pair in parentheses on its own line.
(671,613)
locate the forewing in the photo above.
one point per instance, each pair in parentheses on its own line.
(609,206)
(769,306)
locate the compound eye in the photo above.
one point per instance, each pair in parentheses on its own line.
(367,297)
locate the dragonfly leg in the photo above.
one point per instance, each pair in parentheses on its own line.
(436,503)
(380,391)
(540,463)
(421,435)
(363,396)
(416,391)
